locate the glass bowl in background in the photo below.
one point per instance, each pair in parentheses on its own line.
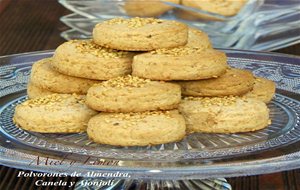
(259,25)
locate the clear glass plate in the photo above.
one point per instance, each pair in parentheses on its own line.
(197,156)
(260,25)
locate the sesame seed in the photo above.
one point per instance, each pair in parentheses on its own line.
(52,99)
(214,101)
(179,51)
(88,46)
(134,22)
(136,116)
(125,81)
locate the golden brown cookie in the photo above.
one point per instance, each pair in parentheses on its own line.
(221,7)
(233,82)
(263,90)
(145,8)
(85,59)
(137,129)
(140,34)
(56,113)
(183,63)
(224,115)
(198,39)
(43,76)
(35,92)
(133,94)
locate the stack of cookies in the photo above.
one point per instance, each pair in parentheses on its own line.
(151,80)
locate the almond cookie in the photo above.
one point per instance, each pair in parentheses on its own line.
(233,82)
(198,39)
(224,115)
(35,92)
(145,8)
(137,129)
(84,58)
(140,34)
(221,7)
(183,63)
(43,76)
(56,113)
(263,90)
(133,94)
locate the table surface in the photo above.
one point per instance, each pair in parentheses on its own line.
(28,25)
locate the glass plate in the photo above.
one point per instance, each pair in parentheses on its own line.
(272,149)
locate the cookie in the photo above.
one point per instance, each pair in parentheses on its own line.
(140,34)
(145,8)
(263,90)
(35,92)
(43,76)
(133,94)
(233,82)
(137,129)
(198,39)
(222,7)
(84,58)
(183,63)
(224,115)
(56,113)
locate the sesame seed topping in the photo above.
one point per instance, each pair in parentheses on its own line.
(54,99)
(214,101)
(196,31)
(133,117)
(88,46)
(134,22)
(258,80)
(125,81)
(179,51)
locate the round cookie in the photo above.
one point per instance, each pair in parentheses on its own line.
(263,90)
(198,39)
(183,63)
(221,7)
(137,129)
(56,113)
(145,8)
(140,34)
(224,115)
(35,92)
(43,76)
(233,82)
(133,94)
(84,58)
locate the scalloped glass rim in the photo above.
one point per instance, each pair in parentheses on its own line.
(275,160)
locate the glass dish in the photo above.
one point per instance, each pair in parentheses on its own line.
(275,148)
(260,25)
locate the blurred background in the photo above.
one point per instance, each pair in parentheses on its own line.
(240,24)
